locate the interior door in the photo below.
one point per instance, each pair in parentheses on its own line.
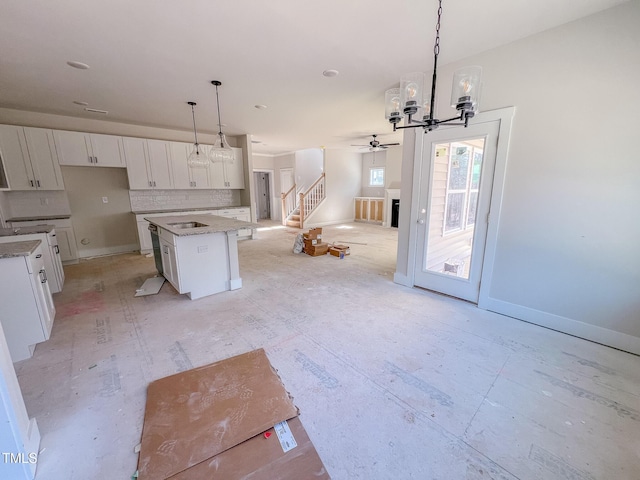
(262,195)
(454,201)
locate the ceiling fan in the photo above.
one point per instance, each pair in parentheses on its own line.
(376,146)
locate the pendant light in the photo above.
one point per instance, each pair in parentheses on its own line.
(409,102)
(197,158)
(220,152)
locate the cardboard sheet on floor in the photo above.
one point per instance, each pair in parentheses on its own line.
(209,422)
(151,286)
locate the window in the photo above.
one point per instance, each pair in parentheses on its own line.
(463,182)
(376,177)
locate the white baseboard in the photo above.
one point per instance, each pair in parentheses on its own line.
(611,338)
(100,252)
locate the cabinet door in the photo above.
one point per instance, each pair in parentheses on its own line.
(107,150)
(235,171)
(169,263)
(180,169)
(67,244)
(72,148)
(159,164)
(16,158)
(44,159)
(135,153)
(144,235)
(217,176)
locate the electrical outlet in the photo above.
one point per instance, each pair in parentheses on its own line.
(105,199)
(44,201)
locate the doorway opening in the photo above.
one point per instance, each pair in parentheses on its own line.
(263,187)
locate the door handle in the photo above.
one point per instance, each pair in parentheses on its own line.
(38,182)
(39,255)
(43,274)
(57,249)
(90,159)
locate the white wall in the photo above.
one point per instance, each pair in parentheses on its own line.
(391,160)
(370,160)
(343,180)
(309,165)
(567,250)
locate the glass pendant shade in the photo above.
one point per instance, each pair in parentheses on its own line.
(425,109)
(221,152)
(198,157)
(411,86)
(466,87)
(392,104)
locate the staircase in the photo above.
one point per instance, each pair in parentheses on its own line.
(298,206)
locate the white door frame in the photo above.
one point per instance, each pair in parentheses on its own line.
(271,189)
(505,117)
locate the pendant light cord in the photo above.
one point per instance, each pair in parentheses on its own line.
(195,132)
(219,121)
(436,51)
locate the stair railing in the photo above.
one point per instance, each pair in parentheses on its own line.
(289,204)
(310,199)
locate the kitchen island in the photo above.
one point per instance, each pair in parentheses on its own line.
(200,252)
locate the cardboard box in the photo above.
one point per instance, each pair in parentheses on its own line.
(311,241)
(210,423)
(339,251)
(316,250)
(313,233)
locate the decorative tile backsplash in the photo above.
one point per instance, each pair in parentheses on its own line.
(149,200)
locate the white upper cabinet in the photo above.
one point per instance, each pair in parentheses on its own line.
(228,175)
(88,149)
(30,158)
(185,177)
(148,163)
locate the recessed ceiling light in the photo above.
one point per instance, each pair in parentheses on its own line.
(80,65)
(84,104)
(330,73)
(260,107)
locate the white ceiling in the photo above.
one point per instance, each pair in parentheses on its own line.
(149,57)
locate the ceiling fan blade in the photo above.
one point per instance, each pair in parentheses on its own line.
(388,144)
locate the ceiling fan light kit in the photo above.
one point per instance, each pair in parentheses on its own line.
(197,158)
(410,101)
(220,152)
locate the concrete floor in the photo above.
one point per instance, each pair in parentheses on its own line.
(391,382)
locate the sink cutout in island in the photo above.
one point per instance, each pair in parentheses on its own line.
(187,225)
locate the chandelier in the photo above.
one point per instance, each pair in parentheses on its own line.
(410,101)
(220,152)
(197,158)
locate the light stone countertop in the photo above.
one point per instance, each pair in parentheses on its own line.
(212,224)
(18,249)
(176,210)
(8,232)
(42,217)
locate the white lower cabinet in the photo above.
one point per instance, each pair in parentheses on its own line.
(28,310)
(50,254)
(170,263)
(65,236)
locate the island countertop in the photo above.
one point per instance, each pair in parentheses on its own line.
(18,249)
(208,224)
(9,232)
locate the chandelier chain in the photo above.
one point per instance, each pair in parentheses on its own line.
(436,47)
